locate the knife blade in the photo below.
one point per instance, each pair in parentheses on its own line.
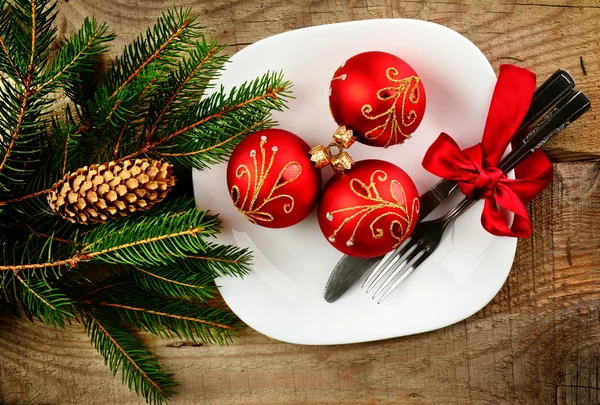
(350,269)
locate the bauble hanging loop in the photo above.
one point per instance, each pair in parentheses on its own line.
(319,156)
(344,136)
(340,160)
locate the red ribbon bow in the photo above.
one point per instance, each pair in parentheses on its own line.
(476,168)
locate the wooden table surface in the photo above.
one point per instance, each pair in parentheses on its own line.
(537,342)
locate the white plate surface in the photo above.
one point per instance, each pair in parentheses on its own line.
(283,296)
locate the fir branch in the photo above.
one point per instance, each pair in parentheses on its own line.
(34,34)
(177,233)
(38,259)
(26,197)
(188,327)
(21,131)
(147,241)
(7,62)
(15,132)
(43,301)
(143,240)
(254,100)
(171,281)
(273,94)
(72,262)
(36,211)
(121,350)
(34,22)
(110,114)
(213,145)
(190,79)
(127,123)
(13,72)
(150,270)
(69,144)
(218,260)
(154,56)
(169,318)
(65,149)
(161,44)
(75,55)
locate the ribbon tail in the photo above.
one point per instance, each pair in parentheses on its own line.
(510,102)
(536,167)
(494,220)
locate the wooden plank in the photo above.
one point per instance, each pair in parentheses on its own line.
(535,343)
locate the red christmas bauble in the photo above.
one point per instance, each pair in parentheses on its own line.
(369,210)
(379,96)
(271,179)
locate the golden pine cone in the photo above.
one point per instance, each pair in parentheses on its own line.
(99,192)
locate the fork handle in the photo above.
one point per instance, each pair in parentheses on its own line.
(457,210)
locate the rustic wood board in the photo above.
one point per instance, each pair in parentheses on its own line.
(537,342)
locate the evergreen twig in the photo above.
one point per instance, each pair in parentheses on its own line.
(154,270)
(123,351)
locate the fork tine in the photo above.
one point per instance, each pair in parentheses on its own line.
(396,259)
(407,273)
(384,262)
(398,269)
(376,268)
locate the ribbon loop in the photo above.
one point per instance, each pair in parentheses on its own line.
(475,168)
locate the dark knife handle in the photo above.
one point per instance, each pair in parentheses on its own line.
(562,115)
(545,96)
(554,89)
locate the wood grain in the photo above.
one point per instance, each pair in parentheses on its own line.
(536,343)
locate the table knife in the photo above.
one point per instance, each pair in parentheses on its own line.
(350,269)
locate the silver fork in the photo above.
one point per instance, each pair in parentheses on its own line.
(397,265)
(422,242)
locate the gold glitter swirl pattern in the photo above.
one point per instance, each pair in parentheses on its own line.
(255,213)
(397,208)
(405,90)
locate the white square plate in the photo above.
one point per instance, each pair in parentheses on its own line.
(283,296)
